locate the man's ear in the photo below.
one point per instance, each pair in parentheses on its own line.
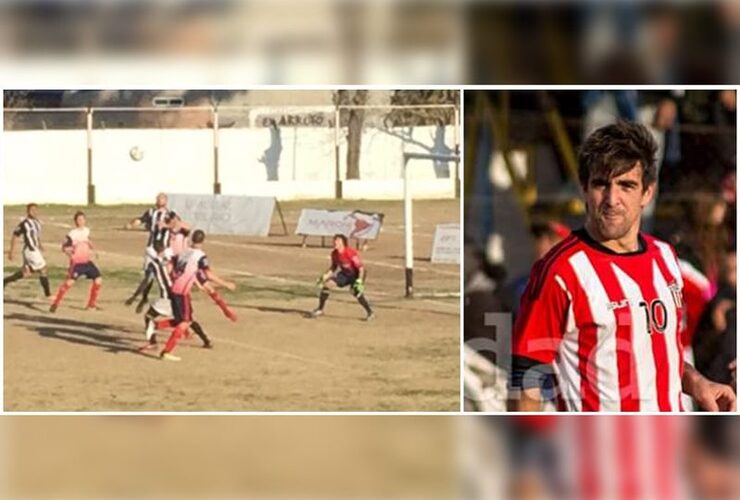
(648,194)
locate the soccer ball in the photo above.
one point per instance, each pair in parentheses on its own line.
(136,153)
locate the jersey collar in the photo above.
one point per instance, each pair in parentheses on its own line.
(583,235)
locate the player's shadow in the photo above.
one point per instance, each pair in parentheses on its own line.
(29,304)
(76,332)
(280,310)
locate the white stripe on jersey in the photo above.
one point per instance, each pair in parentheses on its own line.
(605,355)
(642,344)
(671,341)
(569,379)
(670,260)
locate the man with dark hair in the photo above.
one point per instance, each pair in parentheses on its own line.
(603,309)
(346,270)
(79,247)
(33,260)
(189,264)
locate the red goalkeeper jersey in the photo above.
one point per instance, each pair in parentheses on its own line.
(609,323)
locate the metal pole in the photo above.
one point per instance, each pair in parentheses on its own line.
(337,174)
(216,183)
(457,152)
(90,185)
(407,229)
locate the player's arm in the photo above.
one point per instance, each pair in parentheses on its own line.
(536,338)
(711,396)
(219,281)
(67,246)
(12,246)
(137,221)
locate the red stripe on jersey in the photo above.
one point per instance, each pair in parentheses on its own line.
(588,444)
(587,339)
(542,267)
(628,478)
(658,340)
(678,334)
(629,392)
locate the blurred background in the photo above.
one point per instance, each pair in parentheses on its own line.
(650,457)
(522,197)
(364,42)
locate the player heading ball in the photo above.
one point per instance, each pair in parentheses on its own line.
(346,270)
(602,313)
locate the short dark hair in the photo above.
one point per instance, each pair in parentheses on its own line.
(158,246)
(199,236)
(614,149)
(343,238)
(31,205)
(77,214)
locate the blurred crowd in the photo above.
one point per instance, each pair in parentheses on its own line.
(695,210)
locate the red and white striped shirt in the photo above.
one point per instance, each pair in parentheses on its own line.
(609,323)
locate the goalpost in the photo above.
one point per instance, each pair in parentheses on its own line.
(408,212)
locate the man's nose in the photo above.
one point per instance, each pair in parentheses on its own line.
(610,195)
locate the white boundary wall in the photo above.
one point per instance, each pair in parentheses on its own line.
(50,166)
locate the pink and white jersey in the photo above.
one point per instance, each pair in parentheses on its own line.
(79,240)
(609,323)
(187,266)
(178,243)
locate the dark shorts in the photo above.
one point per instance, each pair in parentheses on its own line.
(88,270)
(344,278)
(182,309)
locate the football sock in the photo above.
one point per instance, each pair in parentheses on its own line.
(44,280)
(163,323)
(63,289)
(364,303)
(221,303)
(323,298)
(177,333)
(13,277)
(94,292)
(195,326)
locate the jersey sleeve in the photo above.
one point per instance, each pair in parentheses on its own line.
(203,263)
(356,261)
(541,322)
(146,218)
(19,230)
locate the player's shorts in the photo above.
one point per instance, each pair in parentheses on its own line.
(182,309)
(344,278)
(33,260)
(87,269)
(163,307)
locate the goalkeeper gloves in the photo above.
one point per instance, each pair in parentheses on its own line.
(358,286)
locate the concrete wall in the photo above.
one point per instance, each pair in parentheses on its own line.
(50,166)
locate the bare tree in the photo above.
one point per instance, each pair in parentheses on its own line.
(355,120)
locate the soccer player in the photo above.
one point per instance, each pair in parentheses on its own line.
(602,310)
(158,221)
(78,246)
(190,262)
(346,269)
(33,260)
(162,307)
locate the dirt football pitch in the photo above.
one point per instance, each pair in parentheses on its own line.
(274,358)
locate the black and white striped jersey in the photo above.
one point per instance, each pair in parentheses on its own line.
(152,219)
(30,229)
(158,268)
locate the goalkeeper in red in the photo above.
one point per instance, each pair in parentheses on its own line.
(602,315)
(346,270)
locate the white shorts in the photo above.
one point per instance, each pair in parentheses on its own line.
(33,260)
(149,256)
(162,306)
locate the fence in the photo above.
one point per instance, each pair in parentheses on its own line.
(127,155)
